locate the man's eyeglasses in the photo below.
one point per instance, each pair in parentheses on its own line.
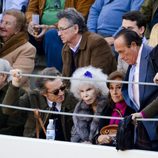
(62,28)
(56,92)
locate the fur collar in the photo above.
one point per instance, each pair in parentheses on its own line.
(87,127)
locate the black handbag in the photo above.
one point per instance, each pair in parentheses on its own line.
(125,134)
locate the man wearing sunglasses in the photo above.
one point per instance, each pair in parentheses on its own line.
(50,94)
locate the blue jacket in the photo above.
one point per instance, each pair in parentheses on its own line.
(148,69)
(105,16)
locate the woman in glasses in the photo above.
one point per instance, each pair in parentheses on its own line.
(92,97)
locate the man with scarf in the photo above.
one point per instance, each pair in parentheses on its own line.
(14,45)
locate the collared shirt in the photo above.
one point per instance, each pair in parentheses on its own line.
(58,105)
(77,45)
(136,78)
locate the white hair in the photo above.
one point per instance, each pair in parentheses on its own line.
(88,72)
(5,66)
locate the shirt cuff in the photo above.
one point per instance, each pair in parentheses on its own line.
(143,114)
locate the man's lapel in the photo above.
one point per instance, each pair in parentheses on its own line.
(143,70)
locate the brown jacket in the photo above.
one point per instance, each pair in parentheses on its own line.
(93,50)
(37,6)
(82,6)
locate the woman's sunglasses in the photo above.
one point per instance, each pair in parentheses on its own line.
(56,92)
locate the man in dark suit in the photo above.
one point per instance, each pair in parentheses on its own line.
(142,63)
(50,94)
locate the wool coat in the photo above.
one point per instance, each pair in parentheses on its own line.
(93,50)
(34,99)
(85,128)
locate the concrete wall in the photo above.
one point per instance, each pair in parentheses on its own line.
(18,147)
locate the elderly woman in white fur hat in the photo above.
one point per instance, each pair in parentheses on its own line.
(92,97)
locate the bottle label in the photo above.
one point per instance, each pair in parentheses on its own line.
(50,135)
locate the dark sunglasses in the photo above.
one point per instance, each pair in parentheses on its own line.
(56,92)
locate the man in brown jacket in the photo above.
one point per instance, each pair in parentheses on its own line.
(47,40)
(82,48)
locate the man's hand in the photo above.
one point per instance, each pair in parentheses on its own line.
(16,77)
(156,78)
(136,115)
(38,31)
(31,28)
(43,29)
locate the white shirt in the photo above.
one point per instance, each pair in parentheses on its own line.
(58,105)
(13,4)
(136,79)
(77,45)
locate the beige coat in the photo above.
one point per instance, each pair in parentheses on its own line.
(22,57)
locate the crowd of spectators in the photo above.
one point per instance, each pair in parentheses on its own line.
(86,39)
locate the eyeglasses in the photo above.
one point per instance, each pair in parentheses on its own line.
(62,28)
(56,92)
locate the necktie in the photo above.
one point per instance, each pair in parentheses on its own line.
(54,108)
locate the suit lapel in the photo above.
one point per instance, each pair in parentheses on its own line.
(143,69)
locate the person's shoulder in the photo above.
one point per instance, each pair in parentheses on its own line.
(146,49)
(154,52)
(94,38)
(69,98)
(29,45)
(93,35)
(34,93)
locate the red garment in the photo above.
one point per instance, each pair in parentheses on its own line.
(118,111)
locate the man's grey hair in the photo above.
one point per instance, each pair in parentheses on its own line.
(74,17)
(40,82)
(5,66)
(88,72)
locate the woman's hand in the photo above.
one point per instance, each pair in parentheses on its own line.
(104,139)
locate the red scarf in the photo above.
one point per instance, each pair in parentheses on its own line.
(118,111)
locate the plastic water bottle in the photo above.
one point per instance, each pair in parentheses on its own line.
(50,132)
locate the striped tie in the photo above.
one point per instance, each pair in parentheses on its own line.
(54,108)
